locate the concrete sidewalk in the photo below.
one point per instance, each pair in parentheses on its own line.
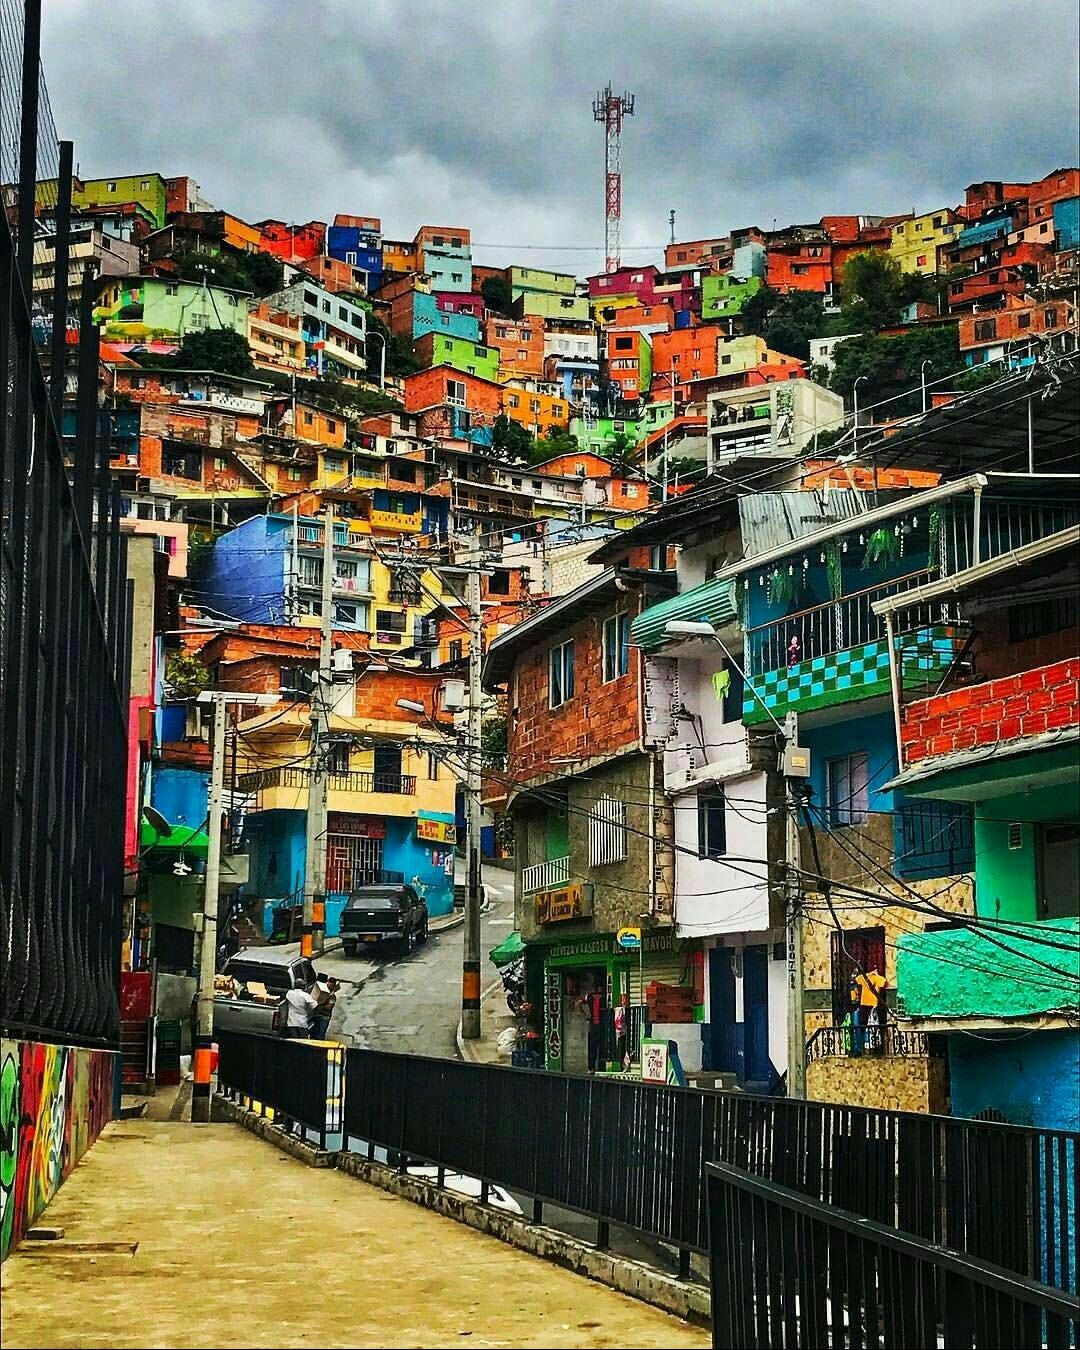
(495,1017)
(182,1235)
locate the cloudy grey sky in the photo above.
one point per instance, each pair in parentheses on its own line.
(479,114)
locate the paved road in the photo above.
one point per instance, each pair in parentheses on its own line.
(413,1003)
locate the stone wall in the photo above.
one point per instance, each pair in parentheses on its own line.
(895,1082)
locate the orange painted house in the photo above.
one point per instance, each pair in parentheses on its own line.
(519,342)
(638,316)
(293,243)
(535,411)
(800,267)
(687,354)
(453,404)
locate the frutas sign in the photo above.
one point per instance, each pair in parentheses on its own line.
(568,902)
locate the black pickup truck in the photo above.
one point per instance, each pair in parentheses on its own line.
(381,914)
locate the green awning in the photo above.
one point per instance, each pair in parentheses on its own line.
(713,601)
(181,838)
(509,949)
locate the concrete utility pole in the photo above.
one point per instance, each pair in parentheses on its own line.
(313,932)
(470,961)
(204,1006)
(796,1074)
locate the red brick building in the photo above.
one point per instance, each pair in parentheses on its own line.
(293,243)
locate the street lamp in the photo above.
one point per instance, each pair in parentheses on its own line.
(695,628)
(410,705)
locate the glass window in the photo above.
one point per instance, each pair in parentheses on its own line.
(848,790)
(712,825)
(561,674)
(616,646)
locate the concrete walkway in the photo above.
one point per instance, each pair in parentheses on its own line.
(240,1245)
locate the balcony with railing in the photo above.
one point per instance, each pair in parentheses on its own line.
(545,876)
(837,651)
(854,1042)
(285,789)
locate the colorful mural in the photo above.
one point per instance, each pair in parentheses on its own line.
(54,1102)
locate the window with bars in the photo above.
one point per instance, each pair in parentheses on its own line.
(607,832)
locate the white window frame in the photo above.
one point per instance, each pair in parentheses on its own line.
(608,834)
(557,670)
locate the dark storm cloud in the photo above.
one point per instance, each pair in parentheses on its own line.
(480,114)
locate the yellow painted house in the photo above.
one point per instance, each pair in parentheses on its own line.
(915,243)
(148,189)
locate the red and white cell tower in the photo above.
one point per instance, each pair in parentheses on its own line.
(610,109)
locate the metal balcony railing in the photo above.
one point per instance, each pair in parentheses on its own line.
(351,780)
(854,1042)
(543,876)
(823,629)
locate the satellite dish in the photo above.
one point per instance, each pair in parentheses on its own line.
(157,820)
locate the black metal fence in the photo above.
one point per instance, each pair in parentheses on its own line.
(634,1154)
(787,1270)
(297,1084)
(64,623)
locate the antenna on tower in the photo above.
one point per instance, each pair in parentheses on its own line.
(611,108)
(671,223)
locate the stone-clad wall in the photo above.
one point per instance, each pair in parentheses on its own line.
(902,1083)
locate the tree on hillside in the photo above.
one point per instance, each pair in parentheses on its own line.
(874,291)
(787,322)
(400,360)
(259,273)
(892,365)
(497,294)
(220,349)
(557,441)
(509,438)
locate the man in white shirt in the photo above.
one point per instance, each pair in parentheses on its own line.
(300,1012)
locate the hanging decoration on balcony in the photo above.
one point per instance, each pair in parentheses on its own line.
(833,570)
(935,539)
(882,547)
(784,585)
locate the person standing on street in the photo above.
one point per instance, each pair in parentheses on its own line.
(326,996)
(301,1008)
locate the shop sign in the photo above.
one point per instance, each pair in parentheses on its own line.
(608,945)
(660,1063)
(367,827)
(553,1018)
(436,831)
(568,902)
(629,939)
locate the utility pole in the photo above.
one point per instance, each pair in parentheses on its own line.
(470,961)
(796,1074)
(313,932)
(671,223)
(204,1006)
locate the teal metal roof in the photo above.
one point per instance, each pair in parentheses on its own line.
(713,601)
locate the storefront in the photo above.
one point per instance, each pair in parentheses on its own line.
(584,980)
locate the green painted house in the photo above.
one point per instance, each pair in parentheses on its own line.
(158,308)
(723,297)
(147,189)
(474,358)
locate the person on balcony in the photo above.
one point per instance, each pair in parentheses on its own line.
(868,1001)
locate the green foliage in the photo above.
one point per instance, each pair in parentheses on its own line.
(834,569)
(882,547)
(347,399)
(186,675)
(493,741)
(400,360)
(788,322)
(783,586)
(978,376)
(510,438)
(259,273)
(220,349)
(497,294)
(558,441)
(892,365)
(874,292)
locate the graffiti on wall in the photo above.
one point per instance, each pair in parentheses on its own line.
(54,1102)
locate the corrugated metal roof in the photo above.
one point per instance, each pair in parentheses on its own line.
(712,601)
(772,519)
